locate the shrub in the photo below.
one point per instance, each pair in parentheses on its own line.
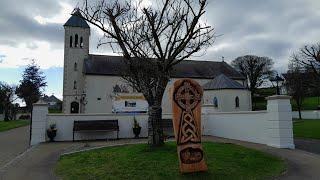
(24,116)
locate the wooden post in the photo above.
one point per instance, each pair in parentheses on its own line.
(187,95)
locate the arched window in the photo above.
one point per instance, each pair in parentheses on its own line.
(76,41)
(74,84)
(81,42)
(74,108)
(70,41)
(215,102)
(75,67)
(237,102)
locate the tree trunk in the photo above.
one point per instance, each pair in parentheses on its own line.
(253,101)
(30,127)
(299,109)
(155,131)
(6,113)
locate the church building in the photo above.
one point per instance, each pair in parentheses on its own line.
(93,84)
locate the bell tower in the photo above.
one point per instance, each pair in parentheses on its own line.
(76,49)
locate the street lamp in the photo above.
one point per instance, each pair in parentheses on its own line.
(278,80)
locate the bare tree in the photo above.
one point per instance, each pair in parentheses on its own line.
(7,97)
(152,40)
(309,56)
(296,83)
(256,69)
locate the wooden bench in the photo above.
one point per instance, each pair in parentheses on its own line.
(96,125)
(167,127)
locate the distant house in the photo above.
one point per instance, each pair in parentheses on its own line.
(53,102)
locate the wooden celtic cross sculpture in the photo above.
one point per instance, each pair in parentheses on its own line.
(186,106)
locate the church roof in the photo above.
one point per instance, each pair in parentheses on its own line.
(113,65)
(76,21)
(222,82)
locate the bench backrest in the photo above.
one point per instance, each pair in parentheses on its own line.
(95,125)
(166,123)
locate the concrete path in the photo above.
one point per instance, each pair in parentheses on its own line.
(301,164)
(310,145)
(39,162)
(12,143)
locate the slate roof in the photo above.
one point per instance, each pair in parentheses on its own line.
(113,65)
(51,98)
(222,82)
(76,21)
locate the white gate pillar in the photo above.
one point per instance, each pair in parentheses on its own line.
(39,123)
(280,129)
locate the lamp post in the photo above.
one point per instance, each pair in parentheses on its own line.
(278,80)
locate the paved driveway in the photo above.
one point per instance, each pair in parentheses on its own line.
(13,143)
(39,161)
(310,145)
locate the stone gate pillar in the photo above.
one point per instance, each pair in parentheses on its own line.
(39,123)
(280,129)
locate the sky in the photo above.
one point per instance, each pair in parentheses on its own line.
(33,29)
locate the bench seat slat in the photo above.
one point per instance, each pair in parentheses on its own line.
(96,125)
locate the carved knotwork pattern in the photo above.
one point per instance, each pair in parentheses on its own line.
(187,97)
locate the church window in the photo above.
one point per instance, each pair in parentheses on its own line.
(74,84)
(237,102)
(75,67)
(76,41)
(70,41)
(81,42)
(215,102)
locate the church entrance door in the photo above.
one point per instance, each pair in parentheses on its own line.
(74,107)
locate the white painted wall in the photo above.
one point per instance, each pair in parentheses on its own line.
(102,87)
(39,122)
(307,114)
(64,124)
(272,127)
(226,99)
(246,126)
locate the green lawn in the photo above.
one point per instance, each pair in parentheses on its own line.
(309,103)
(6,125)
(307,129)
(225,161)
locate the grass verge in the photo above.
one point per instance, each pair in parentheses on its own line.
(7,125)
(307,128)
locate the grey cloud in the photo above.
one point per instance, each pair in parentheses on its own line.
(270,28)
(266,28)
(18,25)
(8,42)
(31,45)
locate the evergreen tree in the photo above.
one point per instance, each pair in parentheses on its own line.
(32,85)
